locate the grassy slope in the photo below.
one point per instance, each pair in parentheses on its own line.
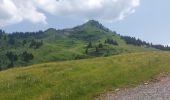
(81,79)
(67,44)
(65,48)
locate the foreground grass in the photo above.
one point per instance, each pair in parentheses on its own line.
(81,79)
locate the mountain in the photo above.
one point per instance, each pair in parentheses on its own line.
(55,72)
(89,40)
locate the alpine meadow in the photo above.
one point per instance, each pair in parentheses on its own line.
(93,59)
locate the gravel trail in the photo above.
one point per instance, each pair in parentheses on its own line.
(157,90)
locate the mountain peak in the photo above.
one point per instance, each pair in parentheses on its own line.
(93,23)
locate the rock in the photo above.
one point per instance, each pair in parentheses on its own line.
(146,83)
(117,90)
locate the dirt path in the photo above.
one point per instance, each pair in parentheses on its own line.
(157,90)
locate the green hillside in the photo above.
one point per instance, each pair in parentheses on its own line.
(85,61)
(81,79)
(85,41)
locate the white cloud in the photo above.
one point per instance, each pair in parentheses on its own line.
(107,10)
(15,11)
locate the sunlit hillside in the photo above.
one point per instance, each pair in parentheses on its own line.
(81,79)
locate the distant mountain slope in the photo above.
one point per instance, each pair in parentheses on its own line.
(89,40)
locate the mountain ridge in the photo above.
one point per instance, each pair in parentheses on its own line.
(88,40)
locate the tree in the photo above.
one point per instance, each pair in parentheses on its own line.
(97,49)
(100,45)
(105,41)
(27,56)
(24,42)
(138,42)
(89,45)
(36,44)
(1,34)
(111,41)
(86,51)
(12,57)
(5,37)
(11,41)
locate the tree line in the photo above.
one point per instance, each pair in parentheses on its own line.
(11,43)
(13,57)
(38,34)
(19,39)
(138,42)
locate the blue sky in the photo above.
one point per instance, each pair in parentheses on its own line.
(150,21)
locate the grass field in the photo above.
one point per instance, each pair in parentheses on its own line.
(81,79)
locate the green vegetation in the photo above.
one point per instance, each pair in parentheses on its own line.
(138,42)
(121,62)
(85,41)
(81,79)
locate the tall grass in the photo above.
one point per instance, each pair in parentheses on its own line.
(81,79)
